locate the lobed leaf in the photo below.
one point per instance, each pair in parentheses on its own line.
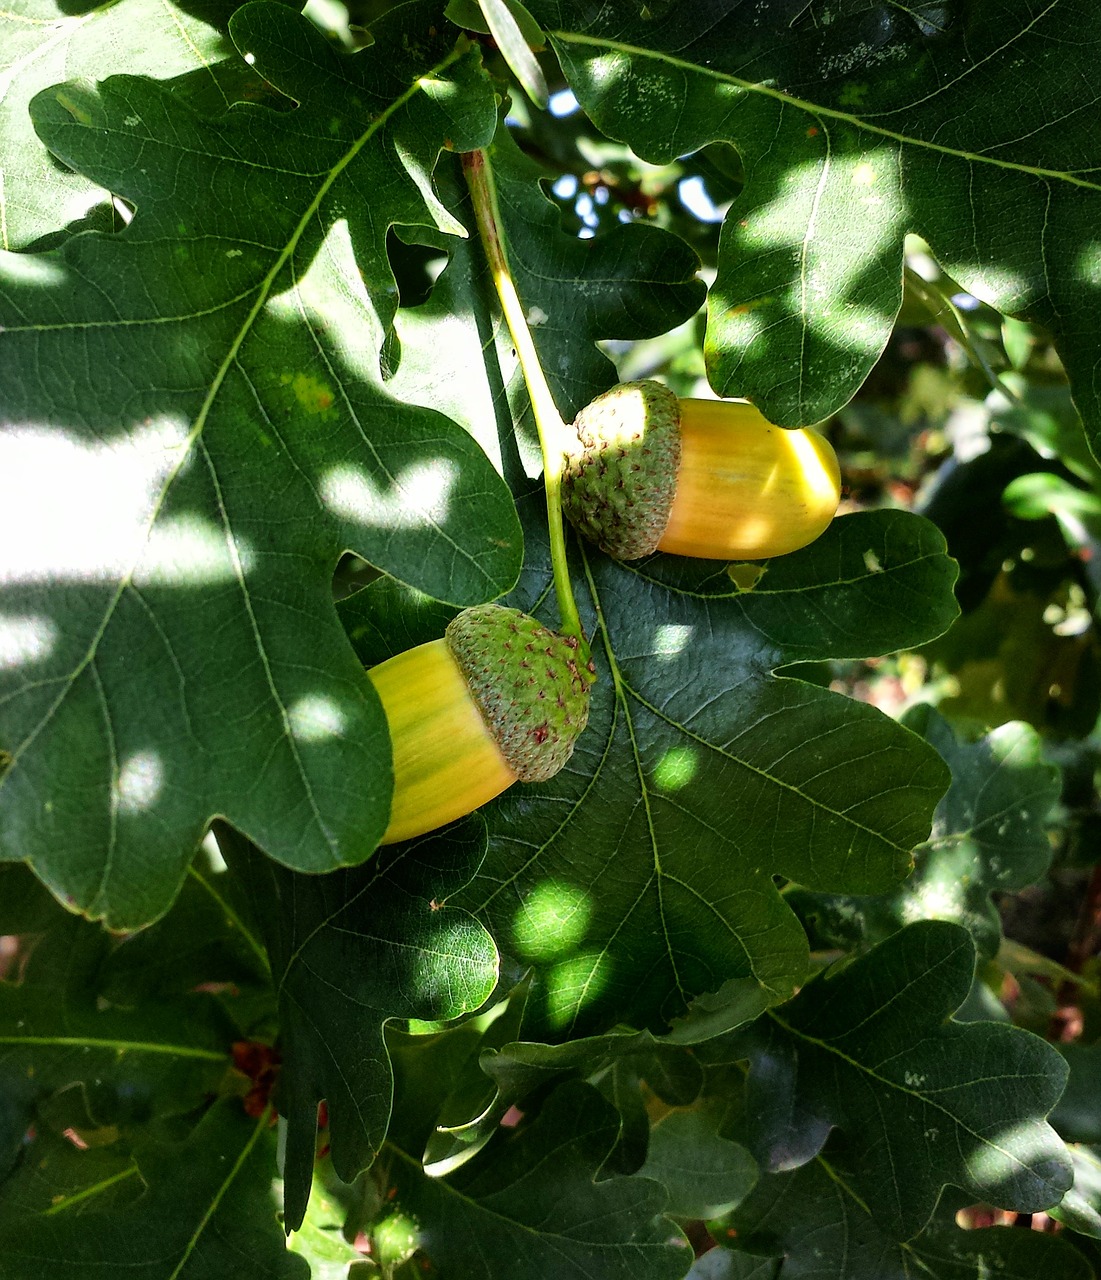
(988,837)
(350,951)
(207,1211)
(851,133)
(218,433)
(43,43)
(642,876)
(923,1101)
(116,1063)
(817,1224)
(532,1205)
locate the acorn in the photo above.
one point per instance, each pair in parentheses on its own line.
(706,478)
(499,699)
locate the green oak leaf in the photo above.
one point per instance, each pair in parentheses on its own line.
(43,42)
(205,939)
(55,1177)
(851,133)
(349,951)
(1077,1115)
(531,1205)
(173,507)
(988,837)
(705,1174)
(502,1071)
(642,876)
(634,282)
(1080,1208)
(815,1221)
(208,1211)
(320,1240)
(923,1102)
(62,1036)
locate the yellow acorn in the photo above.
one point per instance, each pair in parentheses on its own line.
(706,478)
(499,699)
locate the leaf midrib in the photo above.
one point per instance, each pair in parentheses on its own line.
(227,363)
(827,113)
(764,774)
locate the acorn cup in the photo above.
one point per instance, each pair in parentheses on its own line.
(499,699)
(705,478)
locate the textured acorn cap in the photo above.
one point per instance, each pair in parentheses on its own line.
(528,682)
(620,480)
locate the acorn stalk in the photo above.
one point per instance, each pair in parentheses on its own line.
(706,478)
(499,699)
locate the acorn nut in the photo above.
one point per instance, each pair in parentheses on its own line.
(499,699)
(705,478)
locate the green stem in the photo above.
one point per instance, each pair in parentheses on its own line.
(553,438)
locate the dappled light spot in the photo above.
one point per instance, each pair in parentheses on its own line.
(24,640)
(33,270)
(454,961)
(419,497)
(817,480)
(395,1239)
(672,638)
(139,783)
(552,920)
(1001,1157)
(743,326)
(89,523)
(1087,266)
(676,768)
(315,718)
(187,550)
(998,287)
(572,985)
(756,530)
(440,89)
(941,893)
(784,219)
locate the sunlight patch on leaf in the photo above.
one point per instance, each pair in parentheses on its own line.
(552,921)
(316,717)
(26,639)
(744,326)
(32,269)
(140,782)
(1088,264)
(419,497)
(88,523)
(1004,1154)
(676,768)
(672,638)
(187,550)
(571,984)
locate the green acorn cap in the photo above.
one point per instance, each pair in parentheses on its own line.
(619,482)
(528,682)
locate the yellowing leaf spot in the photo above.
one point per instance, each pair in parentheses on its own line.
(743,308)
(311,393)
(863,175)
(74,109)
